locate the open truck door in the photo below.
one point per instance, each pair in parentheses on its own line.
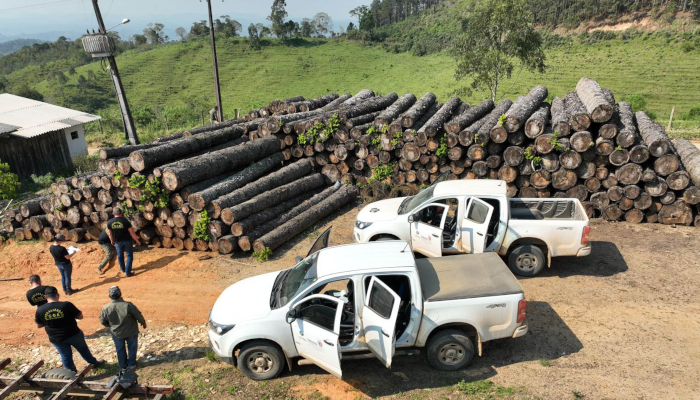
(315,323)
(427,225)
(320,243)
(379,320)
(475,226)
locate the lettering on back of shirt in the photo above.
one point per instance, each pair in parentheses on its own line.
(117,225)
(38,297)
(54,314)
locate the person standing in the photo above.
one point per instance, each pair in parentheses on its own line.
(106,244)
(214,115)
(35,295)
(63,263)
(122,236)
(122,319)
(59,318)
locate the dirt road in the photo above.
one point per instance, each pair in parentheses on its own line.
(620,324)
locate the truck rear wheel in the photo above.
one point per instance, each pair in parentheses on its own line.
(260,360)
(527,260)
(450,350)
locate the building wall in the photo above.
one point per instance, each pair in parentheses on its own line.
(77,146)
(38,155)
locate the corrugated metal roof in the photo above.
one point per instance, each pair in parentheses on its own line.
(5,128)
(33,118)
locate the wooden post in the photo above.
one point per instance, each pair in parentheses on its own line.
(670,120)
(235,113)
(202,111)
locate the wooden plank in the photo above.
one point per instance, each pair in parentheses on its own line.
(41,384)
(12,386)
(10,279)
(66,389)
(112,392)
(4,363)
(159,397)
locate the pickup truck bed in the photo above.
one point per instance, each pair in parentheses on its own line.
(465,276)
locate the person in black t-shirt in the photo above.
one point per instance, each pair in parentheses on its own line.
(121,235)
(106,243)
(62,260)
(35,295)
(59,320)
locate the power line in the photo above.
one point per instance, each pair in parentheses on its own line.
(40,5)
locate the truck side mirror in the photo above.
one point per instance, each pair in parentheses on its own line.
(291,315)
(410,218)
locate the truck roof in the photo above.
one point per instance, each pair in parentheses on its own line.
(363,256)
(465,276)
(471,187)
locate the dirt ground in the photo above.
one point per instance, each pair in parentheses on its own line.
(621,323)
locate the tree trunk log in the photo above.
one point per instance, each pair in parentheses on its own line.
(368,106)
(643,202)
(472,115)
(629,174)
(513,156)
(615,193)
(677,213)
(344,98)
(595,101)
(632,192)
(537,122)
(491,124)
(394,110)
(564,179)
(437,121)
(612,213)
(592,185)
(690,156)
(619,157)
(418,109)
(639,154)
(541,179)
(653,134)
(581,141)
(578,192)
(656,188)
(579,119)
(634,216)
(666,164)
(678,180)
(518,114)
(298,224)
(692,195)
(560,118)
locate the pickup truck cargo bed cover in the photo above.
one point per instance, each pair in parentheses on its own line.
(465,276)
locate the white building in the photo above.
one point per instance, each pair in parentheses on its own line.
(37,137)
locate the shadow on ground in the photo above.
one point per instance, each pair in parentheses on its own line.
(605,260)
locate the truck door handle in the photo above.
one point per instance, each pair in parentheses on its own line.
(480,234)
(384,333)
(434,235)
(328,343)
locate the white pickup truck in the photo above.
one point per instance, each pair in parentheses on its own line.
(476,216)
(363,301)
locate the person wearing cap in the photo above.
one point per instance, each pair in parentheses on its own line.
(59,319)
(35,295)
(106,243)
(63,263)
(122,236)
(122,319)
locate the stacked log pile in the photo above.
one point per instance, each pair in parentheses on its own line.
(258,181)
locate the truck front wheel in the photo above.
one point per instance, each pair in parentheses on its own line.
(527,260)
(450,350)
(260,361)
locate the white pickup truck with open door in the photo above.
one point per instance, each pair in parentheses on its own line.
(370,300)
(476,216)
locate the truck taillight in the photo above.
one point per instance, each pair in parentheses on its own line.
(522,306)
(584,237)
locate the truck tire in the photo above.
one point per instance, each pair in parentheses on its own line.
(527,260)
(259,360)
(59,373)
(450,350)
(384,238)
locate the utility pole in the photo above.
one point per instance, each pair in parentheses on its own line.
(129,129)
(220,112)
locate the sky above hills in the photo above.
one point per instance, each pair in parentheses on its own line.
(48,19)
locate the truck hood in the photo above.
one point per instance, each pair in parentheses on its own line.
(246,300)
(384,210)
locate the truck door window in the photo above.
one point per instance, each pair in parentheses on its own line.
(343,289)
(431,215)
(318,314)
(402,286)
(477,212)
(449,231)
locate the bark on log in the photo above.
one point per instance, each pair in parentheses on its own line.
(217,229)
(437,121)
(361,121)
(560,118)
(576,111)
(690,157)
(418,109)
(223,195)
(491,122)
(518,114)
(119,152)
(246,242)
(191,170)
(318,102)
(291,228)
(594,99)
(271,198)
(227,244)
(76,235)
(537,122)
(252,222)
(472,115)
(361,96)
(38,222)
(365,107)
(394,110)
(340,101)
(152,157)
(30,207)
(653,134)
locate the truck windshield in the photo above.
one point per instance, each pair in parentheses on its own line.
(412,202)
(293,281)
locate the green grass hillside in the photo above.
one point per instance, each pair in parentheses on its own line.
(652,65)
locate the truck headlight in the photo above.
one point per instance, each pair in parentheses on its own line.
(362,225)
(219,329)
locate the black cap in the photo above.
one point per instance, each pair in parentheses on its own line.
(51,291)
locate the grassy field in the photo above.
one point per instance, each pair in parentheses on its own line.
(650,65)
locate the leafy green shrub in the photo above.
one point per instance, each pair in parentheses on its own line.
(43,181)
(200,227)
(638,102)
(687,46)
(263,254)
(694,113)
(9,182)
(86,163)
(442,150)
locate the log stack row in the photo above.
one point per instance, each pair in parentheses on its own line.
(267,177)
